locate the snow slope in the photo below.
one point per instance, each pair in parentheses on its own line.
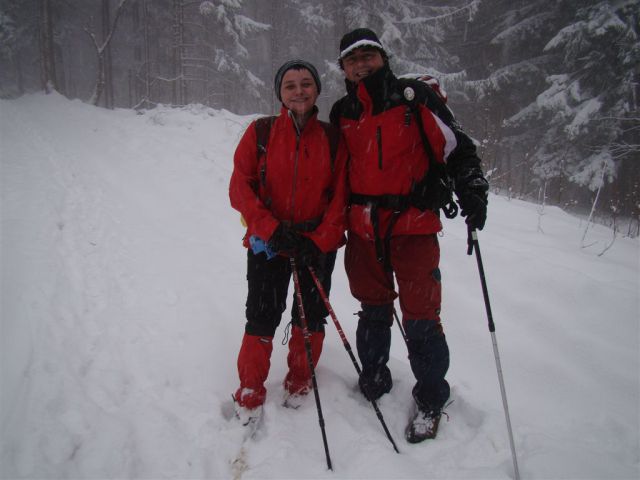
(123,288)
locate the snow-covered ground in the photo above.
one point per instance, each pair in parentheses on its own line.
(123,289)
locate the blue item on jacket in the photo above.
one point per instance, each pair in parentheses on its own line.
(258,246)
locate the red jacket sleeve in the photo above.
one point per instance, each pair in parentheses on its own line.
(329,235)
(244,185)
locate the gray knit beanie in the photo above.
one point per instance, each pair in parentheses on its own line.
(296,65)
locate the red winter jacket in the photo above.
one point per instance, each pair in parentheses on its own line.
(386,152)
(294,182)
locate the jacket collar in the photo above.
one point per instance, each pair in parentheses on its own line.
(373,90)
(286,114)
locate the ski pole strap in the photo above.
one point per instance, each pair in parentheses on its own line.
(450,209)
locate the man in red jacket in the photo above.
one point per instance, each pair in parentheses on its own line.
(292,194)
(393,219)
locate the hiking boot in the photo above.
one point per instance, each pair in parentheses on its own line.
(248,417)
(423,426)
(296,386)
(376,385)
(294,400)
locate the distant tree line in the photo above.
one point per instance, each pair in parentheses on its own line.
(549,88)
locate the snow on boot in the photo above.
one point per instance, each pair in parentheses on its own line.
(254,361)
(294,400)
(423,426)
(249,418)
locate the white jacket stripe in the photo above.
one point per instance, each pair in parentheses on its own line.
(450,138)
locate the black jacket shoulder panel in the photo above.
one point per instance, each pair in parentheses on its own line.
(348,107)
(336,112)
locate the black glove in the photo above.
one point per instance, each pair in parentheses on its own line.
(284,239)
(473,201)
(308,254)
(433,192)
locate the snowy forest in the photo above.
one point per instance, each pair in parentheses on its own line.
(548,88)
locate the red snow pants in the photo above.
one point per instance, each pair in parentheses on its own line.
(414,260)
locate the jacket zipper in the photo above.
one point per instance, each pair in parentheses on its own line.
(379,138)
(295,180)
(295,170)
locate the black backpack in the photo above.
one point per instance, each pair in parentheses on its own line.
(435,190)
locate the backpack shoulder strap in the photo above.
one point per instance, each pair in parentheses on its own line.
(413,94)
(428,93)
(333,134)
(263,129)
(436,180)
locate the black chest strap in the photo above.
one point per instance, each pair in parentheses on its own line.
(397,204)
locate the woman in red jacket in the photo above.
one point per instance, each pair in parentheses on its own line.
(291,192)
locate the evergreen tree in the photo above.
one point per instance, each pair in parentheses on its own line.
(15,42)
(413,32)
(226,28)
(502,51)
(584,115)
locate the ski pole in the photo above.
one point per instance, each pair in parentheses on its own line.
(347,347)
(472,242)
(399,323)
(307,346)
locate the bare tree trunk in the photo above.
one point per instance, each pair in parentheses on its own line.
(61,71)
(147,59)
(19,74)
(274,34)
(524,177)
(614,235)
(131,90)
(178,53)
(47,51)
(542,202)
(100,53)
(508,165)
(209,76)
(593,208)
(108,76)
